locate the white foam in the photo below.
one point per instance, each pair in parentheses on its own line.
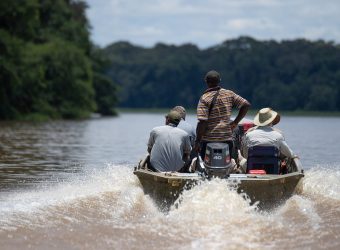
(213,216)
(322,182)
(113,185)
(209,216)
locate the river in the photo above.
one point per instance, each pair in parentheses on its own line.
(69,185)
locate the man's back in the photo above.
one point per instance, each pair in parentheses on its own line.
(187,127)
(265,136)
(168,145)
(218,119)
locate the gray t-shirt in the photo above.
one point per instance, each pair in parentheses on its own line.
(168,146)
(187,127)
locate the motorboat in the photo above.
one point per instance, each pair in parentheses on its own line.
(267,190)
(267,182)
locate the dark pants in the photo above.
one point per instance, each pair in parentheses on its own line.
(150,167)
(204,147)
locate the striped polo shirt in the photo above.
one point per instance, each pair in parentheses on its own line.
(218,128)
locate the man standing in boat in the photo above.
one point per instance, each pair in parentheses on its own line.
(169,147)
(214,111)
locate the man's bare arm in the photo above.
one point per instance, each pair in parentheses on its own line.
(241,114)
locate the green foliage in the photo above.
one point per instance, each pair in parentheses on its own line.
(105,89)
(59,76)
(20,18)
(105,94)
(46,66)
(322,98)
(66,20)
(10,57)
(287,75)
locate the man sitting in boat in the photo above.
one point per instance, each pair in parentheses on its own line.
(169,147)
(184,125)
(264,134)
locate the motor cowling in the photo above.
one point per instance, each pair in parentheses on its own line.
(217,162)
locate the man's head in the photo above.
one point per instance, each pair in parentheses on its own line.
(181,110)
(266,116)
(212,78)
(173,117)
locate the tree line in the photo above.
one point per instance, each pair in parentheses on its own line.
(287,75)
(49,68)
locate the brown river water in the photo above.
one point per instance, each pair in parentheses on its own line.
(69,185)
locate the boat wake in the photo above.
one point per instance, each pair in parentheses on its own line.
(322,182)
(111,192)
(107,208)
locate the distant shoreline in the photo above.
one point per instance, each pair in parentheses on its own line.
(250,112)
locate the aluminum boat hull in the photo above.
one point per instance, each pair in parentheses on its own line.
(267,191)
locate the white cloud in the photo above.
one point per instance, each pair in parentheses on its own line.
(207,23)
(248,23)
(320,32)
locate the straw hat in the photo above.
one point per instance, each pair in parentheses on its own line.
(266,116)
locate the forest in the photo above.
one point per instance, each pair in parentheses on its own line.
(288,75)
(49,68)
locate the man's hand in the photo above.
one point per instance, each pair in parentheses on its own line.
(241,114)
(233,125)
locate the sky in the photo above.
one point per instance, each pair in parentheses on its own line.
(208,23)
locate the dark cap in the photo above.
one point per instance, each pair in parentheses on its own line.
(212,77)
(174,117)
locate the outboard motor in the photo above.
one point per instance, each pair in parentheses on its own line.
(217,161)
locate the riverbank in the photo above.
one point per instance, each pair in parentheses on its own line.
(35,117)
(304,113)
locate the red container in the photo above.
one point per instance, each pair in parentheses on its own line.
(257,171)
(247,125)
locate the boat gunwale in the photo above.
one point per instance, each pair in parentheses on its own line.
(197,176)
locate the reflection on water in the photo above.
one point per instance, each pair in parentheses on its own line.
(34,152)
(51,151)
(69,185)
(38,152)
